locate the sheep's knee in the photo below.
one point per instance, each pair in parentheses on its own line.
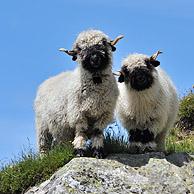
(80,141)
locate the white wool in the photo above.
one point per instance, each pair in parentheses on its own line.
(65,102)
(154,108)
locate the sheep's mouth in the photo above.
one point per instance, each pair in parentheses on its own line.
(141,79)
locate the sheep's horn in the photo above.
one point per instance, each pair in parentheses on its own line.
(71,53)
(116,74)
(155,55)
(113,42)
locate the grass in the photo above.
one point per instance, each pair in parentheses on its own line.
(180,141)
(30,169)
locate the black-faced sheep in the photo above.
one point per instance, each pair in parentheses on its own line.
(147,104)
(79,104)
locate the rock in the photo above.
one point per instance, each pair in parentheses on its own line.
(179,158)
(123,173)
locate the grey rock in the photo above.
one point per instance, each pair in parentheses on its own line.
(123,173)
(179,158)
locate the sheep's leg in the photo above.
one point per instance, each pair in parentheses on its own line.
(159,135)
(45,139)
(98,137)
(80,140)
(97,143)
(160,141)
(62,136)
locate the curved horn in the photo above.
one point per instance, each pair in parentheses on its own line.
(116,74)
(113,42)
(71,53)
(155,55)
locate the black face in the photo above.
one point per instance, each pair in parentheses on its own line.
(140,78)
(95,58)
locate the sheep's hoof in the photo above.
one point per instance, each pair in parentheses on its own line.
(80,152)
(98,153)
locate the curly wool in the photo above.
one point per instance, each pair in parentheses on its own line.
(154,108)
(71,103)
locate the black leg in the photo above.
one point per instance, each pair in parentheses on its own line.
(80,152)
(143,136)
(98,153)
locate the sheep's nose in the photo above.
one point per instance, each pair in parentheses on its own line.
(95,60)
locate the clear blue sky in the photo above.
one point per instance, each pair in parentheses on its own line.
(32,31)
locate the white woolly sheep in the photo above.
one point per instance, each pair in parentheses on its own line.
(79,104)
(148,104)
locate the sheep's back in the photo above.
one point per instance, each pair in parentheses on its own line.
(51,95)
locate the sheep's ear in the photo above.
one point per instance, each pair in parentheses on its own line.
(153,60)
(113,48)
(74,58)
(155,63)
(121,78)
(114,42)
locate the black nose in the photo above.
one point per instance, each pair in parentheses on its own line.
(95,60)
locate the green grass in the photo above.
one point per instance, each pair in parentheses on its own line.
(180,141)
(186,112)
(30,169)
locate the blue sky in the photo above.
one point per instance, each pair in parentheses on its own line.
(32,31)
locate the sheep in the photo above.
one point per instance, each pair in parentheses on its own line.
(77,105)
(147,105)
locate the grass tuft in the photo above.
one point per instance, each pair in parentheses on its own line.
(180,141)
(186,112)
(30,169)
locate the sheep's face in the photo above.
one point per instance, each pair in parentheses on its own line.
(138,72)
(94,51)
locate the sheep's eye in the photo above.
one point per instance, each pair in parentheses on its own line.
(104,42)
(125,70)
(147,62)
